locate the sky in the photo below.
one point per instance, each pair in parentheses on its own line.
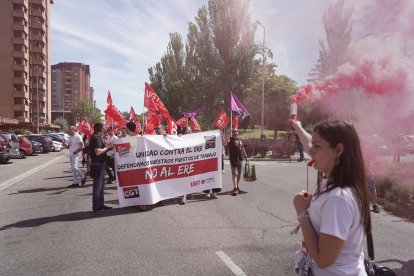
(121,39)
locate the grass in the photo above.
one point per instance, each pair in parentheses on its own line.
(255,133)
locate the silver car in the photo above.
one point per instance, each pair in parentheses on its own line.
(14,150)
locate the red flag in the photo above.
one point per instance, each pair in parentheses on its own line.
(222,120)
(115,116)
(133,117)
(152,120)
(110,122)
(152,101)
(172,126)
(183,122)
(85,127)
(194,125)
(109,99)
(236,122)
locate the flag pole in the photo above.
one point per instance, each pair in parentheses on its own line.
(231,123)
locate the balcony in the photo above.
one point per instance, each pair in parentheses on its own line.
(21,67)
(37,37)
(39,2)
(37,25)
(20,27)
(21,81)
(20,94)
(39,13)
(21,54)
(23,2)
(41,50)
(38,62)
(38,86)
(21,107)
(18,13)
(19,40)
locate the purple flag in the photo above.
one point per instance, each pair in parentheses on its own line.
(191,113)
(236,105)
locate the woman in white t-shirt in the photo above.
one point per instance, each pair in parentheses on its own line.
(335,218)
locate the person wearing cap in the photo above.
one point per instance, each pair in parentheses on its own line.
(236,155)
(110,162)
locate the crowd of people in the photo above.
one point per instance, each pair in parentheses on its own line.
(98,157)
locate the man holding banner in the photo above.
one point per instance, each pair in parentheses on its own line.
(98,162)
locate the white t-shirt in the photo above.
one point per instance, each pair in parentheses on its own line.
(337,213)
(110,140)
(74,142)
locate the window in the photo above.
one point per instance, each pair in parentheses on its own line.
(18,114)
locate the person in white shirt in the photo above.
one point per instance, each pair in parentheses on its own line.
(110,162)
(75,147)
(333,220)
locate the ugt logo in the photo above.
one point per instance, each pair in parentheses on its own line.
(131,192)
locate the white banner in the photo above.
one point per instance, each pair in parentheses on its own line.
(152,168)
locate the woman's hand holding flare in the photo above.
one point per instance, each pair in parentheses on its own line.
(301,201)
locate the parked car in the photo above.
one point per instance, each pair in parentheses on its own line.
(58,138)
(4,149)
(14,141)
(37,147)
(46,142)
(64,136)
(57,146)
(25,147)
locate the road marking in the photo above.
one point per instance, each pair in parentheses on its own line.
(233,267)
(17,179)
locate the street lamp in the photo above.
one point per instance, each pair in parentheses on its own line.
(262,136)
(37,98)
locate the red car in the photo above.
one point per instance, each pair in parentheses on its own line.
(25,147)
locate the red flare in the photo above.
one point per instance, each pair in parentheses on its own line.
(310,163)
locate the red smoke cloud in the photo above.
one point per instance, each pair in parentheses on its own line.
(375,86)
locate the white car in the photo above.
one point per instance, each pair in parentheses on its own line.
(57,146)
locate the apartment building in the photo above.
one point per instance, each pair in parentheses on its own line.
(70,85)
(25,55)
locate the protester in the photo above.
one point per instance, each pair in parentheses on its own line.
(75,147)
(185,130)
(224,143)
(98,159)
(123,132)
(131,129)
(110,161)
(300,148)
(236,154)
(86,159)
(334,218)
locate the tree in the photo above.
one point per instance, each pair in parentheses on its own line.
(85,108)
(278,92)
(338,27)
(63,123)
(170,79)
(219,57)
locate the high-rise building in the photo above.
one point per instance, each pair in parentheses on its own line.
(70,85)
(24,61)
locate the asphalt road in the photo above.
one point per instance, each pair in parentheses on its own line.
(47,229)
